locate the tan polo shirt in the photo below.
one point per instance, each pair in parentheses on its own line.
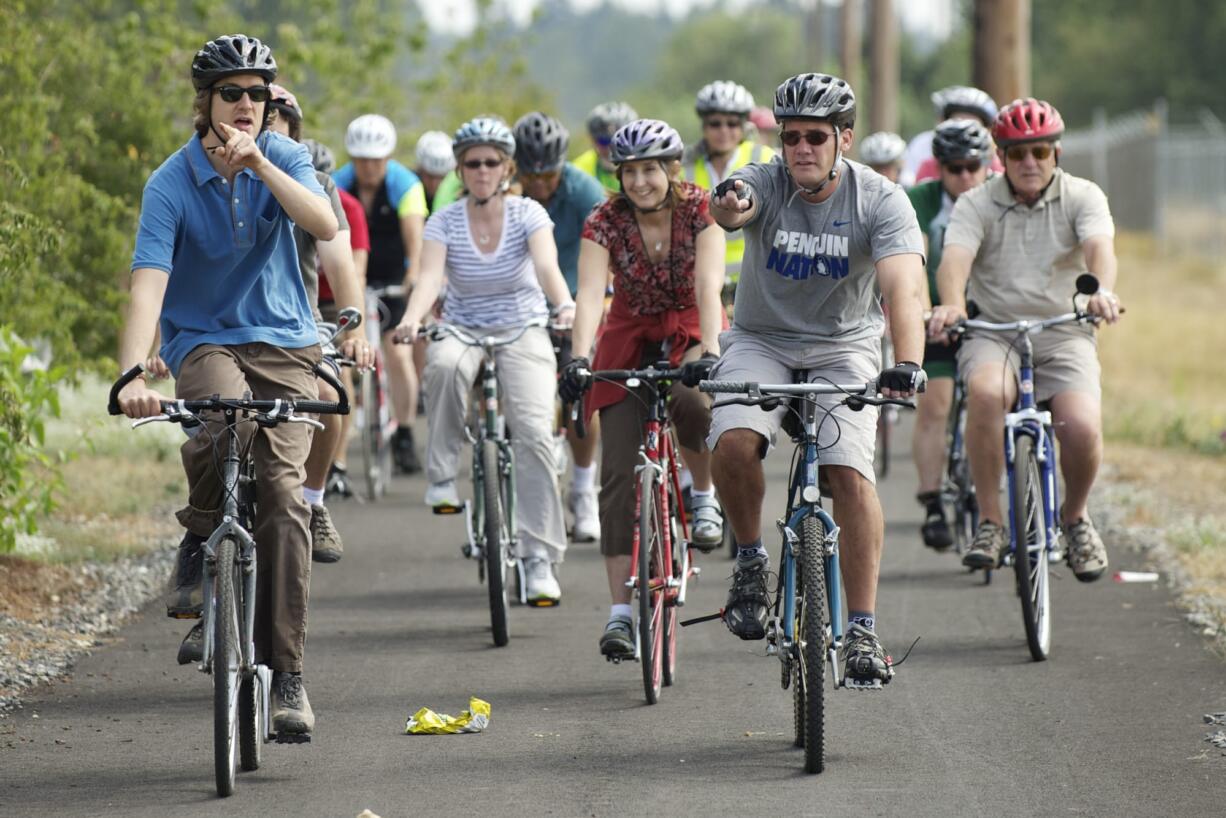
(1027,259)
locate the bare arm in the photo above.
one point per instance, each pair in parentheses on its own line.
(952,275)
(336,256)
(708,284)
(360,257)
(589,302)
(545,258)
(148,288)
(902,280)
(429,283)
(411,228)
(1100,260)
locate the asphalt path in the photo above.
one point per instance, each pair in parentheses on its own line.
(1110,725)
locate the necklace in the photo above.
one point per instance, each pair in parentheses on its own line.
(484,238)
(659,246)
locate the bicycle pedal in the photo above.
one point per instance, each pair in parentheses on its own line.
(544,603)
(185,615)
(447,509)
(862,684)
(290,738)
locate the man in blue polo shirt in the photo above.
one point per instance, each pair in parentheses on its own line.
(568,195)
(215,257)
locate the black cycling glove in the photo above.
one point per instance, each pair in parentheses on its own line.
(730,184)
(904,376)
(576,378)
(696,371)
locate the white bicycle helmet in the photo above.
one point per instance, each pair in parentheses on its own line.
(724,97)
(370,136)
(964,99)
(882,148)
(434,154)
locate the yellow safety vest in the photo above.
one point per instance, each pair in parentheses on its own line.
(695,170)
(589,163)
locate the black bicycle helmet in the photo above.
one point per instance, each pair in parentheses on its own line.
(541,143)
(816,96)
(646,139)
(956,139)
(321,156)
(230,55)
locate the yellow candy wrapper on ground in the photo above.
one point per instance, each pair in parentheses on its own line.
(426,722)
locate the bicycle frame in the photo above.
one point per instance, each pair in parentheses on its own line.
(488,429)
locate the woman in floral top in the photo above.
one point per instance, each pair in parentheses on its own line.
(667,259)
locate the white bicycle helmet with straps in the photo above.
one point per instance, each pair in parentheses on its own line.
(964,99)
(370,136)
(483,130)
(724,97)
(882,148)
(434,154)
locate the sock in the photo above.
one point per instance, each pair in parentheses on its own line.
(864,619)
(314,497)
(697,492)
(584,479)
(621,612)
(750,551)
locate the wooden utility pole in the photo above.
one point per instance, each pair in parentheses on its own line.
(883,68)
(1002,49)
(813,38)
(849,46)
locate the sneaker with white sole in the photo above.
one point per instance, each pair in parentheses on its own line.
(990,542)
(587,516)
(542,586)
(289,707)
(442,496)
(707,523)
(1087,555)
(326,545)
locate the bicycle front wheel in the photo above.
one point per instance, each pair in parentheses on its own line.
(227,660)
(371,434)
(496,531)
(1030,547)
(811,644)
(650,588)
(673,568)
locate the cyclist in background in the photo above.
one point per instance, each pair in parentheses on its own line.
(435,165)
(395,205)
(602,123)
(568,196)
(1020,241)
(286,119)
(501,265)
(666,255)
(359,245)
(223,208)
(882,151)
(954,102)
(823,234)
(962,148)
(724,108)
(767,128)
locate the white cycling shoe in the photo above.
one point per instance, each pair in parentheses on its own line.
(587,516)
(542,586)
(707,523)
(442,495)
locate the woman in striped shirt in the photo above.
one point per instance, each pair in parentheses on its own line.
(501,265)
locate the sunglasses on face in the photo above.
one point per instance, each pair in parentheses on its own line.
(233,93)
(716,122)
(548,176)
(604,141)
(792,138)
(1018,153)
(959,168)
(473,164)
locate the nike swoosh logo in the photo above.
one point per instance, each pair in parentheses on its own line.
(841,224)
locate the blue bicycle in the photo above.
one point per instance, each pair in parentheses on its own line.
(1030,464)
(805,628)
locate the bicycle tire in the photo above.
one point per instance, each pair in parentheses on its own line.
(669,641)
(495,541)
(250,722)
(370,436)
(809,684)
(1027,516)
(226,662)
(651,602)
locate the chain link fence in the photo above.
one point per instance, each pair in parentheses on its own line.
(1169,180)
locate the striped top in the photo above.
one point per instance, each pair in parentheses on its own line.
(491,289)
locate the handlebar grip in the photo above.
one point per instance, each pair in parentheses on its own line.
(726,386)
(112,404)
(323,407)
(341,407)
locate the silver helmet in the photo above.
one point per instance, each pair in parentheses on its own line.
(724,97)
(882,148)
(816,96)
(483,130)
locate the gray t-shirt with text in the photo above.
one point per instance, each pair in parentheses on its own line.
(809,272)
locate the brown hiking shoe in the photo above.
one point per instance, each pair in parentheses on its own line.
(289,708)
(326,545)
(987,546)
(1087,555)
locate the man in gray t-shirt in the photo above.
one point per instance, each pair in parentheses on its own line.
(822,236)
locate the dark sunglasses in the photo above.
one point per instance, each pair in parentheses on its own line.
(792,138)
(958,168)
(233,93)
(547,176)
(1018,152)
(473,164)
(716,122)
(604,141)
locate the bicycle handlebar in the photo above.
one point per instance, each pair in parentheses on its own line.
(275,411)
(437,331)
(770,395)
(1022,326)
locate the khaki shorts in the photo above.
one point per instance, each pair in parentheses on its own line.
(1065,359)
(846,437)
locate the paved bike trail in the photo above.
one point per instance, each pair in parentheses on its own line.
(1111,725)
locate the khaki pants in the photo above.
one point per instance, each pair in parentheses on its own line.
(528,388)
(282,534)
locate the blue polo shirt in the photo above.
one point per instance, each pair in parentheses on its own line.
(229,253)
(569,208)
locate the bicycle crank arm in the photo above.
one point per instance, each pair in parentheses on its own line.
(699,619)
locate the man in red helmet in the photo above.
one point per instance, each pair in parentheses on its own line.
(1015,246)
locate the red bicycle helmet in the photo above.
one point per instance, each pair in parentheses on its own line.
(1027,120)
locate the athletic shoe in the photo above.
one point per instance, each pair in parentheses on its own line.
(404,452)
(1087,555)
(326,545)
(707,523)
(617,641)
(442,495)
(866,663)
(543,590)
(587,516)
(987,546)
(289,708)
(191,649)
(745,610)
(935,530)
(188,593)
(337,484)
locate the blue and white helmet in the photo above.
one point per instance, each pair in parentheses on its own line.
(646,139)
(483,130)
